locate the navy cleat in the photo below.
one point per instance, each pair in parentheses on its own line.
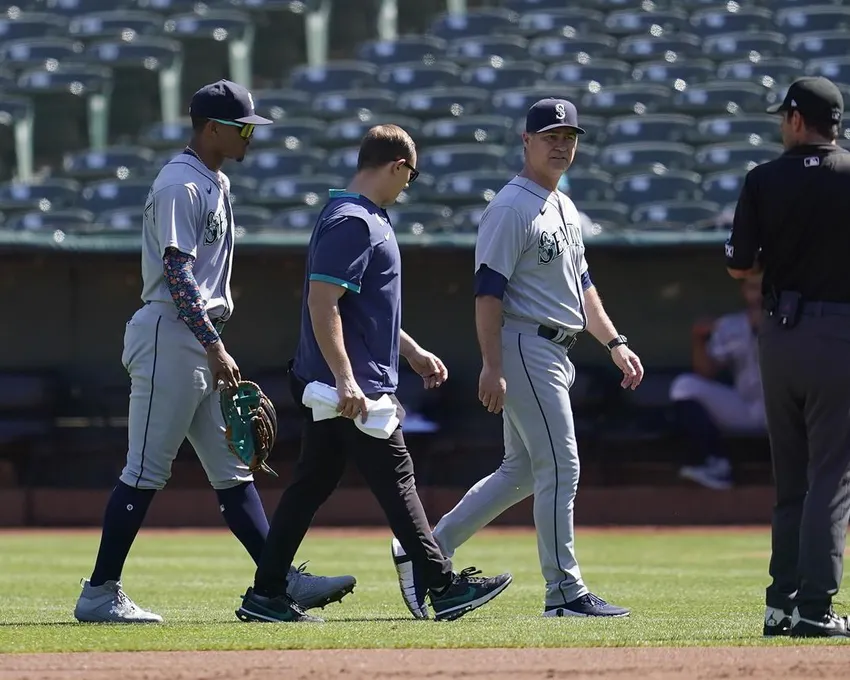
(587,605)
(466,593)
(280,609)
(776,622)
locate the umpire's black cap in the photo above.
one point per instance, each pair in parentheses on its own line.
(816,98)
(548,114)
(225,100)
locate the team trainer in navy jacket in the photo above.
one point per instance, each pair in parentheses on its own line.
(351,339)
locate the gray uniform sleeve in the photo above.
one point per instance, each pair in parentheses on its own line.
(177,217)
(502,238)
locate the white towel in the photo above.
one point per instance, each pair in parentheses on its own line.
(323,400)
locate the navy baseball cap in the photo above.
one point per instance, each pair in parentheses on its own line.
(225,100)
(548,114)
(816,98)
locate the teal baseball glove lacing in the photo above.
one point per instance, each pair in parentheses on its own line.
(250,423)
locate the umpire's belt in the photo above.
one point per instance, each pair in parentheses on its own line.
(826,309)
(560,336)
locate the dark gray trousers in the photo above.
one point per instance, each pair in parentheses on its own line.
(806,378)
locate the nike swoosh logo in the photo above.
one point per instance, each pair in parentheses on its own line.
(387,235)
(209,189)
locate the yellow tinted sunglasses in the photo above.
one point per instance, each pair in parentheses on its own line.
(245,129)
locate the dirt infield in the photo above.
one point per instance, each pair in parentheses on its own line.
(412,664)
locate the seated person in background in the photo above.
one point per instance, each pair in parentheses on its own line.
(706,408)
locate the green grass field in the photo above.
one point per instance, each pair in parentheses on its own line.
(685,588)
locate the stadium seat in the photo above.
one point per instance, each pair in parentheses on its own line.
(674,214)
(32,25)
(420,218)
(294,219)
(489,129)
(739,45)
(675,74)
(466,219)
(719,97)
(590,185)
(283,103)
(252,218)
(730,18)
(68,220)
(657,127)
(723,188)
(813,18)
(637,188)
(476,22)
(265,163)
(166,6)
(816,44)
(837,69)
(552,49)
(610,213)
(602,71)
(645,20)
(296,190)
(735,155)
(333,104)
(646,47)
(46,195)
(726,128)
(463,188)
(116,162)
(400,78)
(405,49)
(439,102)
(30,52)
(639,156)
(487,49)
(441,160)
(111,194)
(343,161)
(167,136)
(72,8)
(118,220)
(768,71)
(561,20)
(503,76)
(515,102)
(349,131)
(242,188)
(113,24)
(627,99)
(335,75)
(290,133)
(16,137)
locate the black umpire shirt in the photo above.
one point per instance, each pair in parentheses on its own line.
(793,218)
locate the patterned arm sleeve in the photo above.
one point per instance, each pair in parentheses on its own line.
(187,296)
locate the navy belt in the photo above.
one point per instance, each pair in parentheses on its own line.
(559,337)
(218,324)
(826,309)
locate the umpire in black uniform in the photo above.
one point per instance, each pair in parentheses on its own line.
(793,222)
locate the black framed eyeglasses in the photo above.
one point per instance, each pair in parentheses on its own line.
(414,173)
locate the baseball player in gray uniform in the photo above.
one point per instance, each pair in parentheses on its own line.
(534,295)
(176,359)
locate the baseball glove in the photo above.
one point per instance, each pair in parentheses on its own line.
(250,425)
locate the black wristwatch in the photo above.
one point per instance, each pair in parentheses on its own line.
(616,342)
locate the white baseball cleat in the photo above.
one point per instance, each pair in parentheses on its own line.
(414,598)
(109,604)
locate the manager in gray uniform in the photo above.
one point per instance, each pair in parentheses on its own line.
(791,221)
(534,296)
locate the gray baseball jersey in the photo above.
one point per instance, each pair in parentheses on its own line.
(189,208)
(533,238)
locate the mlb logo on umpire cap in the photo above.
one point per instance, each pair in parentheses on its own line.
(548,114)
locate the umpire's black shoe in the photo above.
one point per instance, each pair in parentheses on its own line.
(280,609)
(826,625)
(467,592)
(776,622)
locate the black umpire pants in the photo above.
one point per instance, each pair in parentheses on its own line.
(806,379)
(386,466)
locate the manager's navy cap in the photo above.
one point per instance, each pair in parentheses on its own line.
(548,114)
(225,100)
(816,98)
